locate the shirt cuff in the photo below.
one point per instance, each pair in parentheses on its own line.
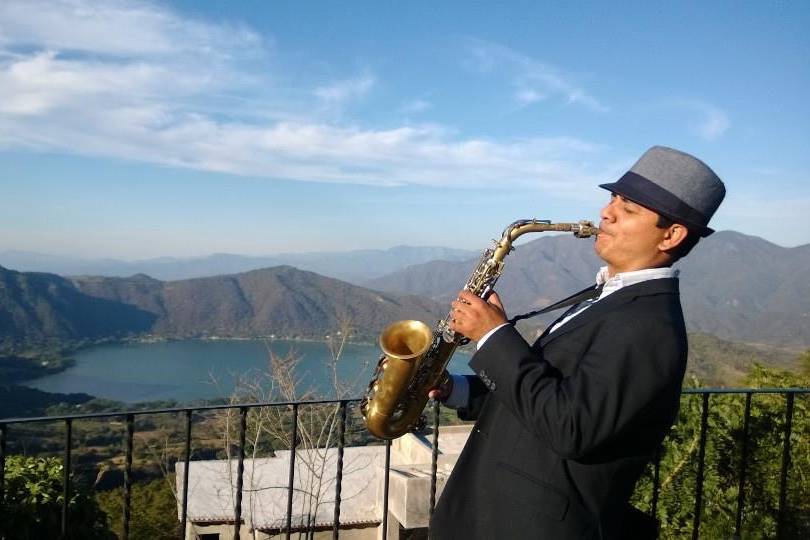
(460,395)
(487,336)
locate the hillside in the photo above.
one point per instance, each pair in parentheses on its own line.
(280,300)
(737,287)
(38,306)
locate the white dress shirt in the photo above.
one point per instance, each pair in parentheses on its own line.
(460,395)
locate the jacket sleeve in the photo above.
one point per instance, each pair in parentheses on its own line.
(478,395)
(627,372)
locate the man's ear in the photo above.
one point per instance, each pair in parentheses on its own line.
(673,237)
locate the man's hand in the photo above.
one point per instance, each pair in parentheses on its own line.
(473,317)
(442,392)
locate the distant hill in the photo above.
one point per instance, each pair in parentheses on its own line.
(715,361)
(736,287)
(352,266)
(744,288)
(280,300)
(38,306)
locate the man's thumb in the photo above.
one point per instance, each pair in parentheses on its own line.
(495,300)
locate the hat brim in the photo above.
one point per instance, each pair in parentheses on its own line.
(645,199)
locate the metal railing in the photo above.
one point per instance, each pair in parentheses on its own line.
(705,393)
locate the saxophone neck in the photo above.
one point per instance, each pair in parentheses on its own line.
(581,229)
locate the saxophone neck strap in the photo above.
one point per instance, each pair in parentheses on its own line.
(587,294)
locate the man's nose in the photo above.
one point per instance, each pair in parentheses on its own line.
(607,213)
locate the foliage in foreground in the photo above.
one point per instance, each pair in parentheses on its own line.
(723,464)
(153,507)
(32,503)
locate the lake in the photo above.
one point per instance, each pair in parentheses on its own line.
(189,370)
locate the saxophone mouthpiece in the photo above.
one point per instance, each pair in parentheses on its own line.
(586,229)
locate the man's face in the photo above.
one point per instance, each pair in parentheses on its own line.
(628,237)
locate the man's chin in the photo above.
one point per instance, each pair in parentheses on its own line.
(599,248)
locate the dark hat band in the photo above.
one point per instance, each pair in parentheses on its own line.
(647,193)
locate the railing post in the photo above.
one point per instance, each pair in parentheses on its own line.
(128,475)
(240,472)
(743,467)
(780,526)
(2,467)
(385,489)
(656,479)
(291,480)
(187,457)
(704,423)
(66,477)
(339,476)
(434,460)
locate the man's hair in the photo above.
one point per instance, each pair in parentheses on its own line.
(682,249)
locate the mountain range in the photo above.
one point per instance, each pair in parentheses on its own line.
(734,286)
(279,300)
(352,266)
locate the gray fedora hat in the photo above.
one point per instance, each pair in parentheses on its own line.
(674,184)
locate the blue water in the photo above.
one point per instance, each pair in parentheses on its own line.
(192,369)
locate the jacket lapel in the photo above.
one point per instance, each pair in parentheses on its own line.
(620,297)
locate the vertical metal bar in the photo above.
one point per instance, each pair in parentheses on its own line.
(434,459)
(656,480)
(385,489)
(339,477)
(2,466)
(66,476)
(743,466)
(185,473)
(128,475)
(240,472)
(780,526)
(704,422)
(291,481)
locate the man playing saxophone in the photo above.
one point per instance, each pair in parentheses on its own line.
(565,426)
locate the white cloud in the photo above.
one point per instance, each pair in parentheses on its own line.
(706,120)
(533,80)
(134,80)
(527,96)
(415,106)
(703,119)
(118,28)
(338,93)
(714,123)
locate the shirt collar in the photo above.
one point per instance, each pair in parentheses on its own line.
(623,279)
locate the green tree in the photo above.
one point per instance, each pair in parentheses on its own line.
(723,455)
(32,503)
(153,510)
(804,363)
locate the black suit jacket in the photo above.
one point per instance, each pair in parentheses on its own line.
(565,426)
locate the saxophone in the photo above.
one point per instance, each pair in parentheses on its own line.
(415,357)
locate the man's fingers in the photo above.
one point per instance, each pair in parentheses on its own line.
(495,300)
(442,391)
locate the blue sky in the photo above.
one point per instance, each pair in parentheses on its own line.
(139,129)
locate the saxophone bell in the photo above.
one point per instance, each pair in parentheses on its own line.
(404,344)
